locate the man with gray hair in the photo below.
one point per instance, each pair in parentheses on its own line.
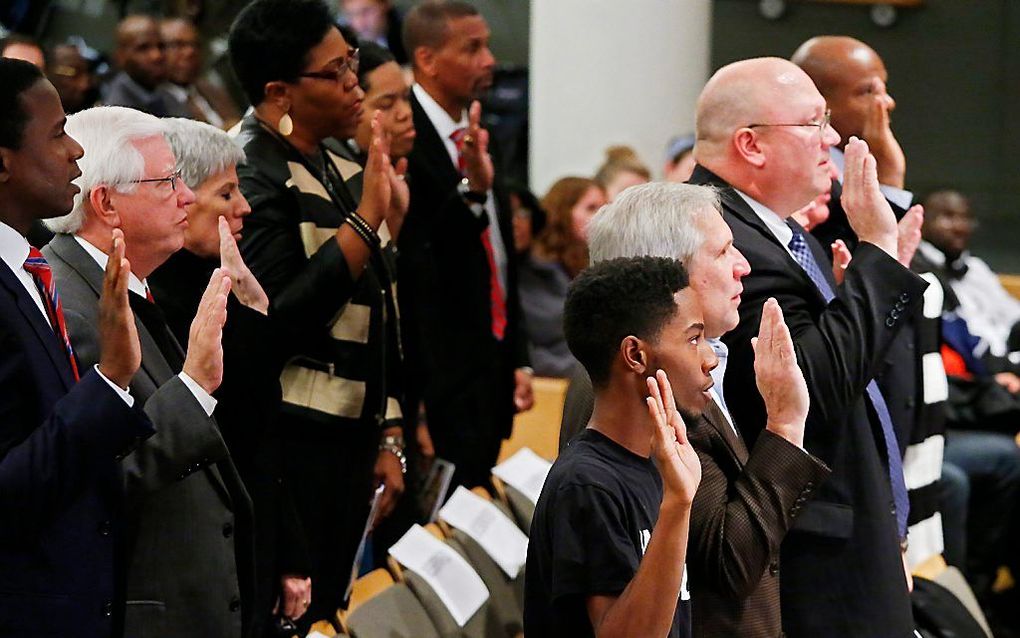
(747,499)
(188,514)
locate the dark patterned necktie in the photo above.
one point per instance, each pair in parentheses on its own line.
(802,255)
(37,266)
(497,300)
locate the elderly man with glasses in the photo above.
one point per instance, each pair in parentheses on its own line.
(762,138)
(188,516)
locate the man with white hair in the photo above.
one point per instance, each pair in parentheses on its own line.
(763,137)
(747,498)
(189,515)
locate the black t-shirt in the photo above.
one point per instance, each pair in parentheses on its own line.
(592,524)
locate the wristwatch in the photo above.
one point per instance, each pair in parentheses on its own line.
(474,200)
(394,444)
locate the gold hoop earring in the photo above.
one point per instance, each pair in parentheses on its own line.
(286,125)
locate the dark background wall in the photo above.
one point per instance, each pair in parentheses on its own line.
(954,69)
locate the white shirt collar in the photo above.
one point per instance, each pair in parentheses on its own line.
(445,125)
(135,285)
(14,248)
(932,254)
(774,222)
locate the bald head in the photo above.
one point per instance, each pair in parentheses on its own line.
(757,127)
(140,50)
(850,75)
(743,93)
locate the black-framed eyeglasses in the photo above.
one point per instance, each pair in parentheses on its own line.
(821,126)
(171,178)
(337,72)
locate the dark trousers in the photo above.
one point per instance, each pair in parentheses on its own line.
(989,475)
(330,472)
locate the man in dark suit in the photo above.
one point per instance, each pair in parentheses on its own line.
(763,138)
(466,351)
(190,558)
(60,490)
(747,499)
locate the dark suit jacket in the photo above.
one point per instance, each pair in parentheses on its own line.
(60,484)
(189,516)
(464,374)
(842,572)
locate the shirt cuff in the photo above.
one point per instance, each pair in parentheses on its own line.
(121,392)
(898,196)
(204,399)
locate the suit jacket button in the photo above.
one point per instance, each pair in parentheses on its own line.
(894,313)
(773,568)
(235,604)
(107,609)
(910,403)
(228,530)
(105,528)
(904,297)
(898,306)
(890,322)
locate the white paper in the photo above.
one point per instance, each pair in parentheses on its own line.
(376,499)
(316,634)
(525,471)
(501,539)
(458,586)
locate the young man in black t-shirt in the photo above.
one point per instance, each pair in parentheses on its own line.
(609,535)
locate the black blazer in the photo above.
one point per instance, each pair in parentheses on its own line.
(60,483)
(443,276)
(842,571)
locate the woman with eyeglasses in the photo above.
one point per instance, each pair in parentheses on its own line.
(317,252)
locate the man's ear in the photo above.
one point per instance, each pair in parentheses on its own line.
(635,355)
(748,147)
(5,174)
(425,60)
(101,203)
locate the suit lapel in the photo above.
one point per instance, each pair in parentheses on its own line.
(429,144)
(68,249)
(714,416)
(50,342)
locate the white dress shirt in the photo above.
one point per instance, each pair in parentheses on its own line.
(780,229)
(14,249)
(140,288)
(445,126)
(718,375)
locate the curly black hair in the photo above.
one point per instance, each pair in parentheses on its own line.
(270,40)
(617,298)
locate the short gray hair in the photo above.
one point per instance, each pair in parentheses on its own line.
(658,219)
(202,150)
(107,133)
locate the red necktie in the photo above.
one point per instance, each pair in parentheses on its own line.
(36,266)
(497,301)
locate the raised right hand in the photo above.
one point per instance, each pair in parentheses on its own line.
(671,450)
(866,208)
(877,132)
(379,175)
(120,354)
(204,361)
(779,378)
(477,162)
